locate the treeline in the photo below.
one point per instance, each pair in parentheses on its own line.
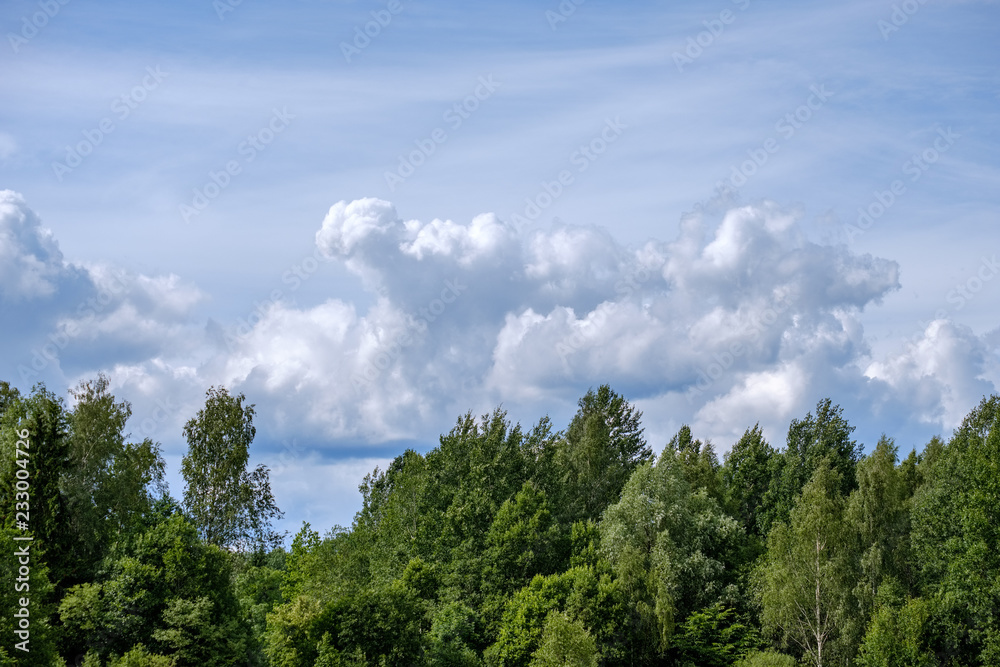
(504,546)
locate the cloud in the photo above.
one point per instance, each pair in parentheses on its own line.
(75,318)
(739,318)
(737,311)
(31,264)
(942,374)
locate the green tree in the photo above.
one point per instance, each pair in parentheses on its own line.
(712,637)
(806,578)
(167,591)
(878,515)
(603,445)
(565,643)
(767,659)
(522,541)
(699,463)
(18,586)
(39,421)
(672,551)
(257,581)
(108,481)
(955,534)
(825,435)
(592,599)
(232,506)
(452,637)
(747,476)
(138,657)
(898,637)
(8,396)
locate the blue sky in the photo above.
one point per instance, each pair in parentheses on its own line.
(504,203)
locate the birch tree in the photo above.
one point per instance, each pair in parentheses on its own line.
(232,506)
(805,579)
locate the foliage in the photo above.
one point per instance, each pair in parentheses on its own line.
(232,506)
(672,550)
(699,463)
(747,476)
(899,636)
(806,576)
(168,591)
(565,642)
(712,637)
(602,447)
(955,535)
(109,482)
(823,436)
(506,547)
(767,659)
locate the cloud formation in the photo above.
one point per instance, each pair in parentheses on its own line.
(738,318)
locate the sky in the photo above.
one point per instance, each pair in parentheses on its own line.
(371,218)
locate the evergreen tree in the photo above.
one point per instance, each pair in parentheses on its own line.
(825,435)
(603,445)
(747,476)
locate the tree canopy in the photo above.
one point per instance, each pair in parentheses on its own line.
(504,546)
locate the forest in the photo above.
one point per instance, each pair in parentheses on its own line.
(501,546)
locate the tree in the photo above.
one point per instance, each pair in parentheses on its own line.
(591,600)
(712,637)
(522,542)
(805,578)
(167,591)
(565,643)
(231,506)
(899,637)
(747,476)
(603,445)
(825,435)
(108,481)
(672,551)
(40,422)
(767,659)
(955,533)
(879,517)
(699,463)
(452,636)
